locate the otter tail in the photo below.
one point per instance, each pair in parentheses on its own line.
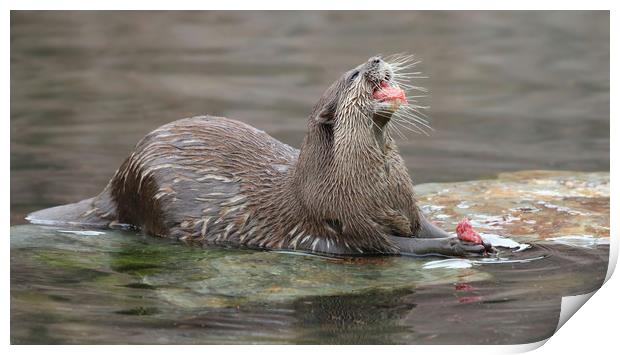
(96,212)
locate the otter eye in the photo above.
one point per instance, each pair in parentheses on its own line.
(354,75)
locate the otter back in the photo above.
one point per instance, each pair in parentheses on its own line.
(197,179)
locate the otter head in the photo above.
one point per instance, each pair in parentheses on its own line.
(365,96)
(345,161)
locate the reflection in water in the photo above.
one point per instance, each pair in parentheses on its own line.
(373,317)
(125,288)
(510,90)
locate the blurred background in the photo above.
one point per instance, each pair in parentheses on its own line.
(509,90)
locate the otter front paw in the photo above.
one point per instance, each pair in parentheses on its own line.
(465,248)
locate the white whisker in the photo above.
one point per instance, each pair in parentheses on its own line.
(415,120)
(410,126)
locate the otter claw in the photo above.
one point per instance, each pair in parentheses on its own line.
(488,247)
(473,248)
(478,249)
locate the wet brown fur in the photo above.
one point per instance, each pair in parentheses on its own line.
(214,180)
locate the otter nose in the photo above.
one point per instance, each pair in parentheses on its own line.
(376,60)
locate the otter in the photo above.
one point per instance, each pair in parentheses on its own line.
(216,181)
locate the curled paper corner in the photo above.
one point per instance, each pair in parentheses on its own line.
(510,349)
(613,256)
(529,347)
(570,305)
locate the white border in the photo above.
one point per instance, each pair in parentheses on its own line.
(308,5)
(593,329)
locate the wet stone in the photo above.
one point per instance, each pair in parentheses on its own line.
(525,205)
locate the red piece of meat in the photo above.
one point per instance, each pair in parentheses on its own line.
(466,232)
(389,93)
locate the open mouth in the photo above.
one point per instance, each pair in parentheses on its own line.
(386,93)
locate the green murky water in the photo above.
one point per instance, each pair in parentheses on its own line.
(122,287)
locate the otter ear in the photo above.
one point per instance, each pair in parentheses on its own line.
(327,114)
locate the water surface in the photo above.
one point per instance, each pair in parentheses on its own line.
(123,288)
